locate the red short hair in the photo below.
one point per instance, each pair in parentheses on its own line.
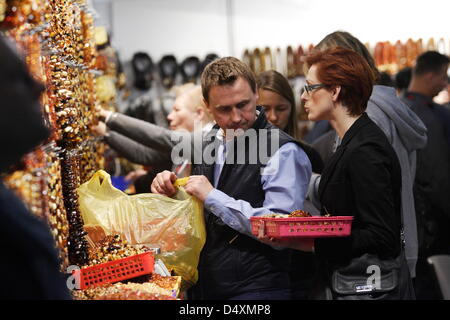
(345,68)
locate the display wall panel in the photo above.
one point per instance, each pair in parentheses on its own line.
(200,26)
(182,28)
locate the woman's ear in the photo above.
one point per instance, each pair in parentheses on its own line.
(200,113)
(335,93)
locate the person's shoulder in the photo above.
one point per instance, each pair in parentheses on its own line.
(369,152)
(369,136)
(414,100)
(291,147)
(384,104)
(382,95)
(292,151)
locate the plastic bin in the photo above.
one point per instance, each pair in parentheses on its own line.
(305,227)
(117,270)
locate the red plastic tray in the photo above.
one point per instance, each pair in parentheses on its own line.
(305,227)
(117,270)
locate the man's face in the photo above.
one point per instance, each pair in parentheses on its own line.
(233,106)
(438,81)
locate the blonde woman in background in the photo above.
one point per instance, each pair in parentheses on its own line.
(189,110)
(147,144)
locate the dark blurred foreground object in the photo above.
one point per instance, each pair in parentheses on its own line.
(402,79)
(440,265)
(29,264)
(29,260)
(385,79)
(441,269)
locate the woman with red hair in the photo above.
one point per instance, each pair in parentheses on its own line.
(362,179)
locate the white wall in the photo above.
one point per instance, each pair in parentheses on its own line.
(197,27)
(182,28)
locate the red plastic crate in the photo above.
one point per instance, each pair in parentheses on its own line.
(302,227)
(117,270)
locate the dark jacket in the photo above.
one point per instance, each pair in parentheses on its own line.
(29,260)
(139,141)
(363,180)
(230,265)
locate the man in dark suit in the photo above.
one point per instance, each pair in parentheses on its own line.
(432,180)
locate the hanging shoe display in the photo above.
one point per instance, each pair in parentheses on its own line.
(190,69)
(400,55)
(419,47)
(268,59)
(168,70)
(431,45)
(280,61)
(291,70)
(255,61)
(143,68)
(378,54)
(441,46)
(299,61)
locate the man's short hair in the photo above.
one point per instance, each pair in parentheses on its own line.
(430,61)
(403,78)
(225,71)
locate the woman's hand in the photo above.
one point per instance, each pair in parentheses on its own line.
(103,114)
(100,129)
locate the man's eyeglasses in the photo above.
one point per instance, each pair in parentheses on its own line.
(309,88)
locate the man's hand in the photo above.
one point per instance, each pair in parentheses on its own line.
(198,186)
(163,183)
(99,129)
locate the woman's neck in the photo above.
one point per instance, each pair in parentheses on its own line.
(341,121)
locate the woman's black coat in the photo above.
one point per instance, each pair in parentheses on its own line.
(363,180)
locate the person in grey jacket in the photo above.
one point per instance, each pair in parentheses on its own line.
(404,130)
(148,144)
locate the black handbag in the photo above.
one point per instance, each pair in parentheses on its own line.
(370,278)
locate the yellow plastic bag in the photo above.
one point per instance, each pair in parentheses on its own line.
(176,225)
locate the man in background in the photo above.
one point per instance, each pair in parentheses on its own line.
(432,180)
